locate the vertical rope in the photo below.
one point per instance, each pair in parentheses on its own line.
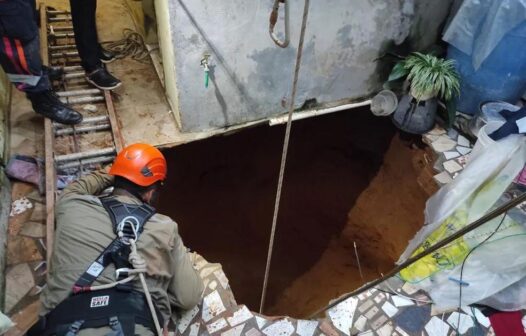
(284,155)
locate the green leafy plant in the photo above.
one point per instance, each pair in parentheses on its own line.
(429,76)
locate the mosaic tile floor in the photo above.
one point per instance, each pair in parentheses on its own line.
(384,311)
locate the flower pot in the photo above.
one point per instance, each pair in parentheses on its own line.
(423,95)
(415,117)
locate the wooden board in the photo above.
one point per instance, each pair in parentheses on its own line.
(48,148)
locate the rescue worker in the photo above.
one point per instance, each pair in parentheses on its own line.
(20,59)
(84,255)
(91,53)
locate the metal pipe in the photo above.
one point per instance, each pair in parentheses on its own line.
(65,54)
(101,159)
(82,129)
(55,12)
(78,92)
(85,155)
(62,28)
(62,35)
(71,75)
(313,113)
(82,100)
(87,120)
(358,261)
(60,19)
(72,68)
(62,47)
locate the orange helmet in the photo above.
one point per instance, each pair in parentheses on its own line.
(142,164)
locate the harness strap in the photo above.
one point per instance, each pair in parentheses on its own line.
(113,308)
(74,328)
(128,222)
(116,327)
(95,269)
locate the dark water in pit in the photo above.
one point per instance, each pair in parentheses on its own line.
(221,192)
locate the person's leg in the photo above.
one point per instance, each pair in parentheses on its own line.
(20,59)
(84,26)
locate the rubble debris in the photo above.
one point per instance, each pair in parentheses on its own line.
(20,206)
(89,108)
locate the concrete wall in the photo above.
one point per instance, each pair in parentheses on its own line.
(251,77)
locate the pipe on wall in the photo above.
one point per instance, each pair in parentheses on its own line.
(317,112)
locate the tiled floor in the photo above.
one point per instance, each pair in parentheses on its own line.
(26,268)
(452,150)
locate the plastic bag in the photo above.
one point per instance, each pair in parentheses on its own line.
(479,25)
(5,323)
(512,298)
(494,265)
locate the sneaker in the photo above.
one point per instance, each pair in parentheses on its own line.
(107,56)
(102,79)
(54,73)
(49,105)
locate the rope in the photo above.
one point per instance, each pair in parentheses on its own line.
(284,155)
(131,45)
(479,222)
(139,264)
(139,268)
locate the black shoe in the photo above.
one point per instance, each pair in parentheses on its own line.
(54,73)
(107,56)
(102,79)
(49,105)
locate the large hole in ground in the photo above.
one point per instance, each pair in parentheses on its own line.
(349,178)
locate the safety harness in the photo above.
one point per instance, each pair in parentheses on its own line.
(118,305)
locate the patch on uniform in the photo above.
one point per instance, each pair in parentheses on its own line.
(95,269)
(99,301)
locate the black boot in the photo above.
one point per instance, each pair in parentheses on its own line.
(54,73)
(49,105)
(107,56)
(102,79)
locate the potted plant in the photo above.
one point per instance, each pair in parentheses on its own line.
(429,78)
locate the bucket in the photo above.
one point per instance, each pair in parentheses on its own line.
(384,103)
(483,139)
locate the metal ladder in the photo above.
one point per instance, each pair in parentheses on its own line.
(84,147)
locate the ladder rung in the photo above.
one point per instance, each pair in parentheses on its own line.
(60,19)
(85,155)
(62,47)
(74,164)
(82,100)
(88,120)
(82,129)
(73,93)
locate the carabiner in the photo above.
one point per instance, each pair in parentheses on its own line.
(274,19)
